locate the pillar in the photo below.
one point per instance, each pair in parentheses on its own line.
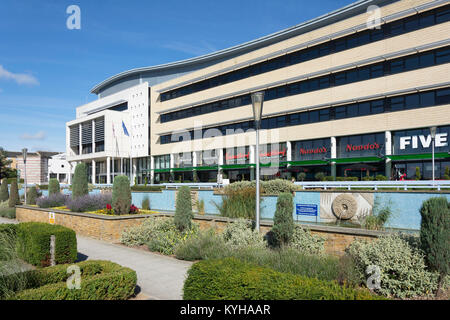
(133,168)
(253,159)
(194,165)
(69,176)
(388,148)
(152,169)
(108,170)
(93,136)
(80,146)
(93,171)
(333,156)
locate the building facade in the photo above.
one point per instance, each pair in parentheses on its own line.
(58,168)
(37,166)
(350,93)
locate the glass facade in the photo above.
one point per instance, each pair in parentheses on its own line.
(419,141)
(317,149)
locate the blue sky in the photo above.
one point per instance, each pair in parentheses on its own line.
(46,70)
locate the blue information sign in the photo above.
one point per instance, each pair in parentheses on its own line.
(306,209)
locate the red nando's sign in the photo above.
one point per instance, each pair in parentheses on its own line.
(237,156)
(273,153)
(368,146)
(313,151)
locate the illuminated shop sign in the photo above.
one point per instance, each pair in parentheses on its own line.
(367,145)
(273,152)
(418,141)
(238,155)
(317,149)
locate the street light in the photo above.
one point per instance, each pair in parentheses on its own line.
(24,154)
(257,104)
(433,136)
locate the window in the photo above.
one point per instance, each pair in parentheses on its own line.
(377,106)
(324,114)
(364,108)
(443,56)
(397,103)
(340,112)
(427,99)
(396,66)
(443,96)
(314,116)
(412,101)
(352,110)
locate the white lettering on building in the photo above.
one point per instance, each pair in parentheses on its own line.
(425,141)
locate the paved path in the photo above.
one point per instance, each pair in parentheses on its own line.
(159,277)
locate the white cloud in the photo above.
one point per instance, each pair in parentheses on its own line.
(41,135)
(19,78)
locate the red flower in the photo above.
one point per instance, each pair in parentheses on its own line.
(108,207)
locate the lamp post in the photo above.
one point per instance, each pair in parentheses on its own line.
(433,136)
(24,154)
(257,104)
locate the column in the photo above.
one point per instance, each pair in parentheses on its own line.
(108,170)
(194,164)
(172,165)
(93,172)
(69,173)
(388,148)
(93,136)
(152,169)
(333,156)
(219,153)
(133,169)
(80,146)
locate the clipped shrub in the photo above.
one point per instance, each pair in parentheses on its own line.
(183,210)
(320,176)
(205,245)
(305,242)
(4,193)
(145,203)
(301,176)
(32,195)
(101,280)
(402,267)
(447,173)
(34,243)
(283,221)
(52,201)
(147,188)
(329,178)
(380,177)
(14,195)
(240,234)
(89,202)
(418,175)
(232,279)
(80,181)
(278,186)
(121,195)
(6,211)
(435,236)
(53,186)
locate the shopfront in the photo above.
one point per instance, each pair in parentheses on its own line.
(162,169)
(207,162)
(412,152)
(310,157)
(237,165)
(272,159)
(183,167)
(360,155)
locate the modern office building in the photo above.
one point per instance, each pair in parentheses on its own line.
(345,94)
(58,168)
(37,166)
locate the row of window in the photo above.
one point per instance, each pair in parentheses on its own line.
(395,28)
(376,70)
(391,104)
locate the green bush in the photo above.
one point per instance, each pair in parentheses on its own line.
(278,186)
(4,194)
(380,177)
(329,178)
(146,188)
(34,243)
(379,217)
(32,195)
(183,210)
(238,203)
(145,203)
(240,233)
(301,176)
(403,270)
(346,178)
(320,176)
(447,173)
(435,235)
(305,242)
(418,175)
(53,186)
(6,211)
(121,195)
(101,280)
(232,279)
(283,221)
(205,245)
(158,233)
(43,186)
(13,195)
(80,181)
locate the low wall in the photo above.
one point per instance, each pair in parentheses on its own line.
(109,228)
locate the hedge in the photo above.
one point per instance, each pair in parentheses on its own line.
(147,188)
(232,279)
(34,243)
(100,280)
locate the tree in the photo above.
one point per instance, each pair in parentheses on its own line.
(435,236)
(80,181)
(32,195)
(283,221)
(14,195)
(418,176)
(5,172)
(53,186)
(121,195)
(183,211)
(4,194)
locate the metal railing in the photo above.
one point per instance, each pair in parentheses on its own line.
(376,185)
